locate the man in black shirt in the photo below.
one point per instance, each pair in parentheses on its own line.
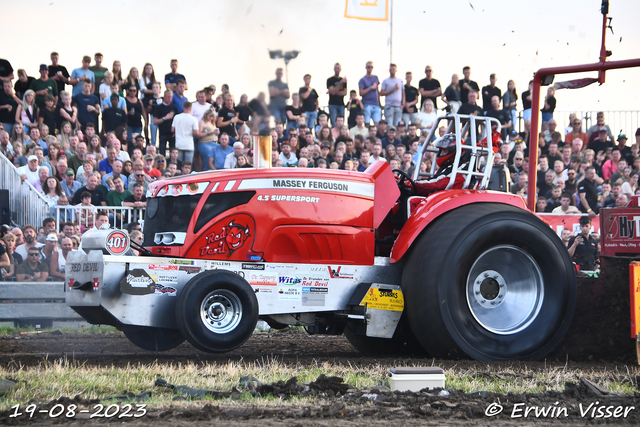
(471,108)
(582,248)
(429,88)
(113,117)
(503,116)
(59,73)
(97,196)
(310,104)
(227,118)
(8,106)
(488,92)
(337,87)
(163,118)
(588,192)
(6,70)
(467,86)
(23,83)
(410,111)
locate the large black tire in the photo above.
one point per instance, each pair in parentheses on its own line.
(217,311)
(489,282)
(403,342)
(153,339)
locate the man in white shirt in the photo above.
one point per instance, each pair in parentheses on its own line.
(231,161)
(30,172)
(184,128)
(288,158)
(565,207)
(200,106)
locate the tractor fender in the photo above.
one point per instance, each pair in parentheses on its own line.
(438,204)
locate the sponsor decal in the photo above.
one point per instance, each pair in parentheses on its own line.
(289,280)
(318,270)
(384,299)
(263,279)
(162,278)
(315,290)
(83,267)
(137,282)
(164,267)
(258,290)
(231,237)
(221,263)
(287,198)
(248,266)
(319,283)
(117,242)
(190,270)
(165,290)
(181,262)
(336,274)
(317,300)
(346,187)
(289,294)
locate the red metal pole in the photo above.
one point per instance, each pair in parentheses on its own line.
(601,67)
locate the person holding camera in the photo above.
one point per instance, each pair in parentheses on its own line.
(583,249)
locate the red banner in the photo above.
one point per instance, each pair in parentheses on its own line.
(572,222)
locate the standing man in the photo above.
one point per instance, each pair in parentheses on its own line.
(310,102)
(8,106)
(226,121)
(44,86)
(337,89)
(368,87)
(163,117)
(393,91)
(488,92)
(178,96)
(410,112)
(503,116)
(98,72)
(184,128)
(583,249)
(88,105)
(430,88)
(201,105)
(171,79)
(58,72)
(81,75)
(467,85)
(588,192)
(278,95)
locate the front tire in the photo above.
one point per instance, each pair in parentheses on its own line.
(217,311)
(489,282)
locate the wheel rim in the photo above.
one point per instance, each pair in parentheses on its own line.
(505,290)
(221,311)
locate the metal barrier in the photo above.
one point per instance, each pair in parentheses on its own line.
(119,216)
(39,304)
(27,204)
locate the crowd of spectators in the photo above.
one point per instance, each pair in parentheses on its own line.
(97,137)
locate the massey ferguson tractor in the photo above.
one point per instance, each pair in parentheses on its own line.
(463,273)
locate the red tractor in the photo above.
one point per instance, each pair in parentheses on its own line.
(461,272)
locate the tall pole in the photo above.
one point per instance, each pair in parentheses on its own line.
(390,31)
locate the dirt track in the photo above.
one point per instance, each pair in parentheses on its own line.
(349,407)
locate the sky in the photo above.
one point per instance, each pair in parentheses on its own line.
(227,41)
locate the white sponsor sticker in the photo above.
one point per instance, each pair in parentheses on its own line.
(289,294)
(327,185)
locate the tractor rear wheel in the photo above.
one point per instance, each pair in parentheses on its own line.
(489,282)
(153,339)
(217,311)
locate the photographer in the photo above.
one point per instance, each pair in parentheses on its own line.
(583,249)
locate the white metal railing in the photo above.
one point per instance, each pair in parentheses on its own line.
(85,216)
(27,204)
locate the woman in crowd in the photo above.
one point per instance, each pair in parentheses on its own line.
(576,132)
(136,236)
(116,70)
(159,162)
(601,157)
(75,241)
(27,112)
(629,188)
(390,152)
(14,259)
(510,102)
(53,154)
(65,133)
(87,170)
(147,80)
(59,258)
(94,147)
(127,167)
(66,113)
(451,95)
(242,162)
(135,112)
(133,78)
(325,136)
(207,128)
(427,116)
(52,190)
(136,154)
(18,135)
(549,107)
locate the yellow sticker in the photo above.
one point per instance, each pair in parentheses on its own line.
(384,299)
